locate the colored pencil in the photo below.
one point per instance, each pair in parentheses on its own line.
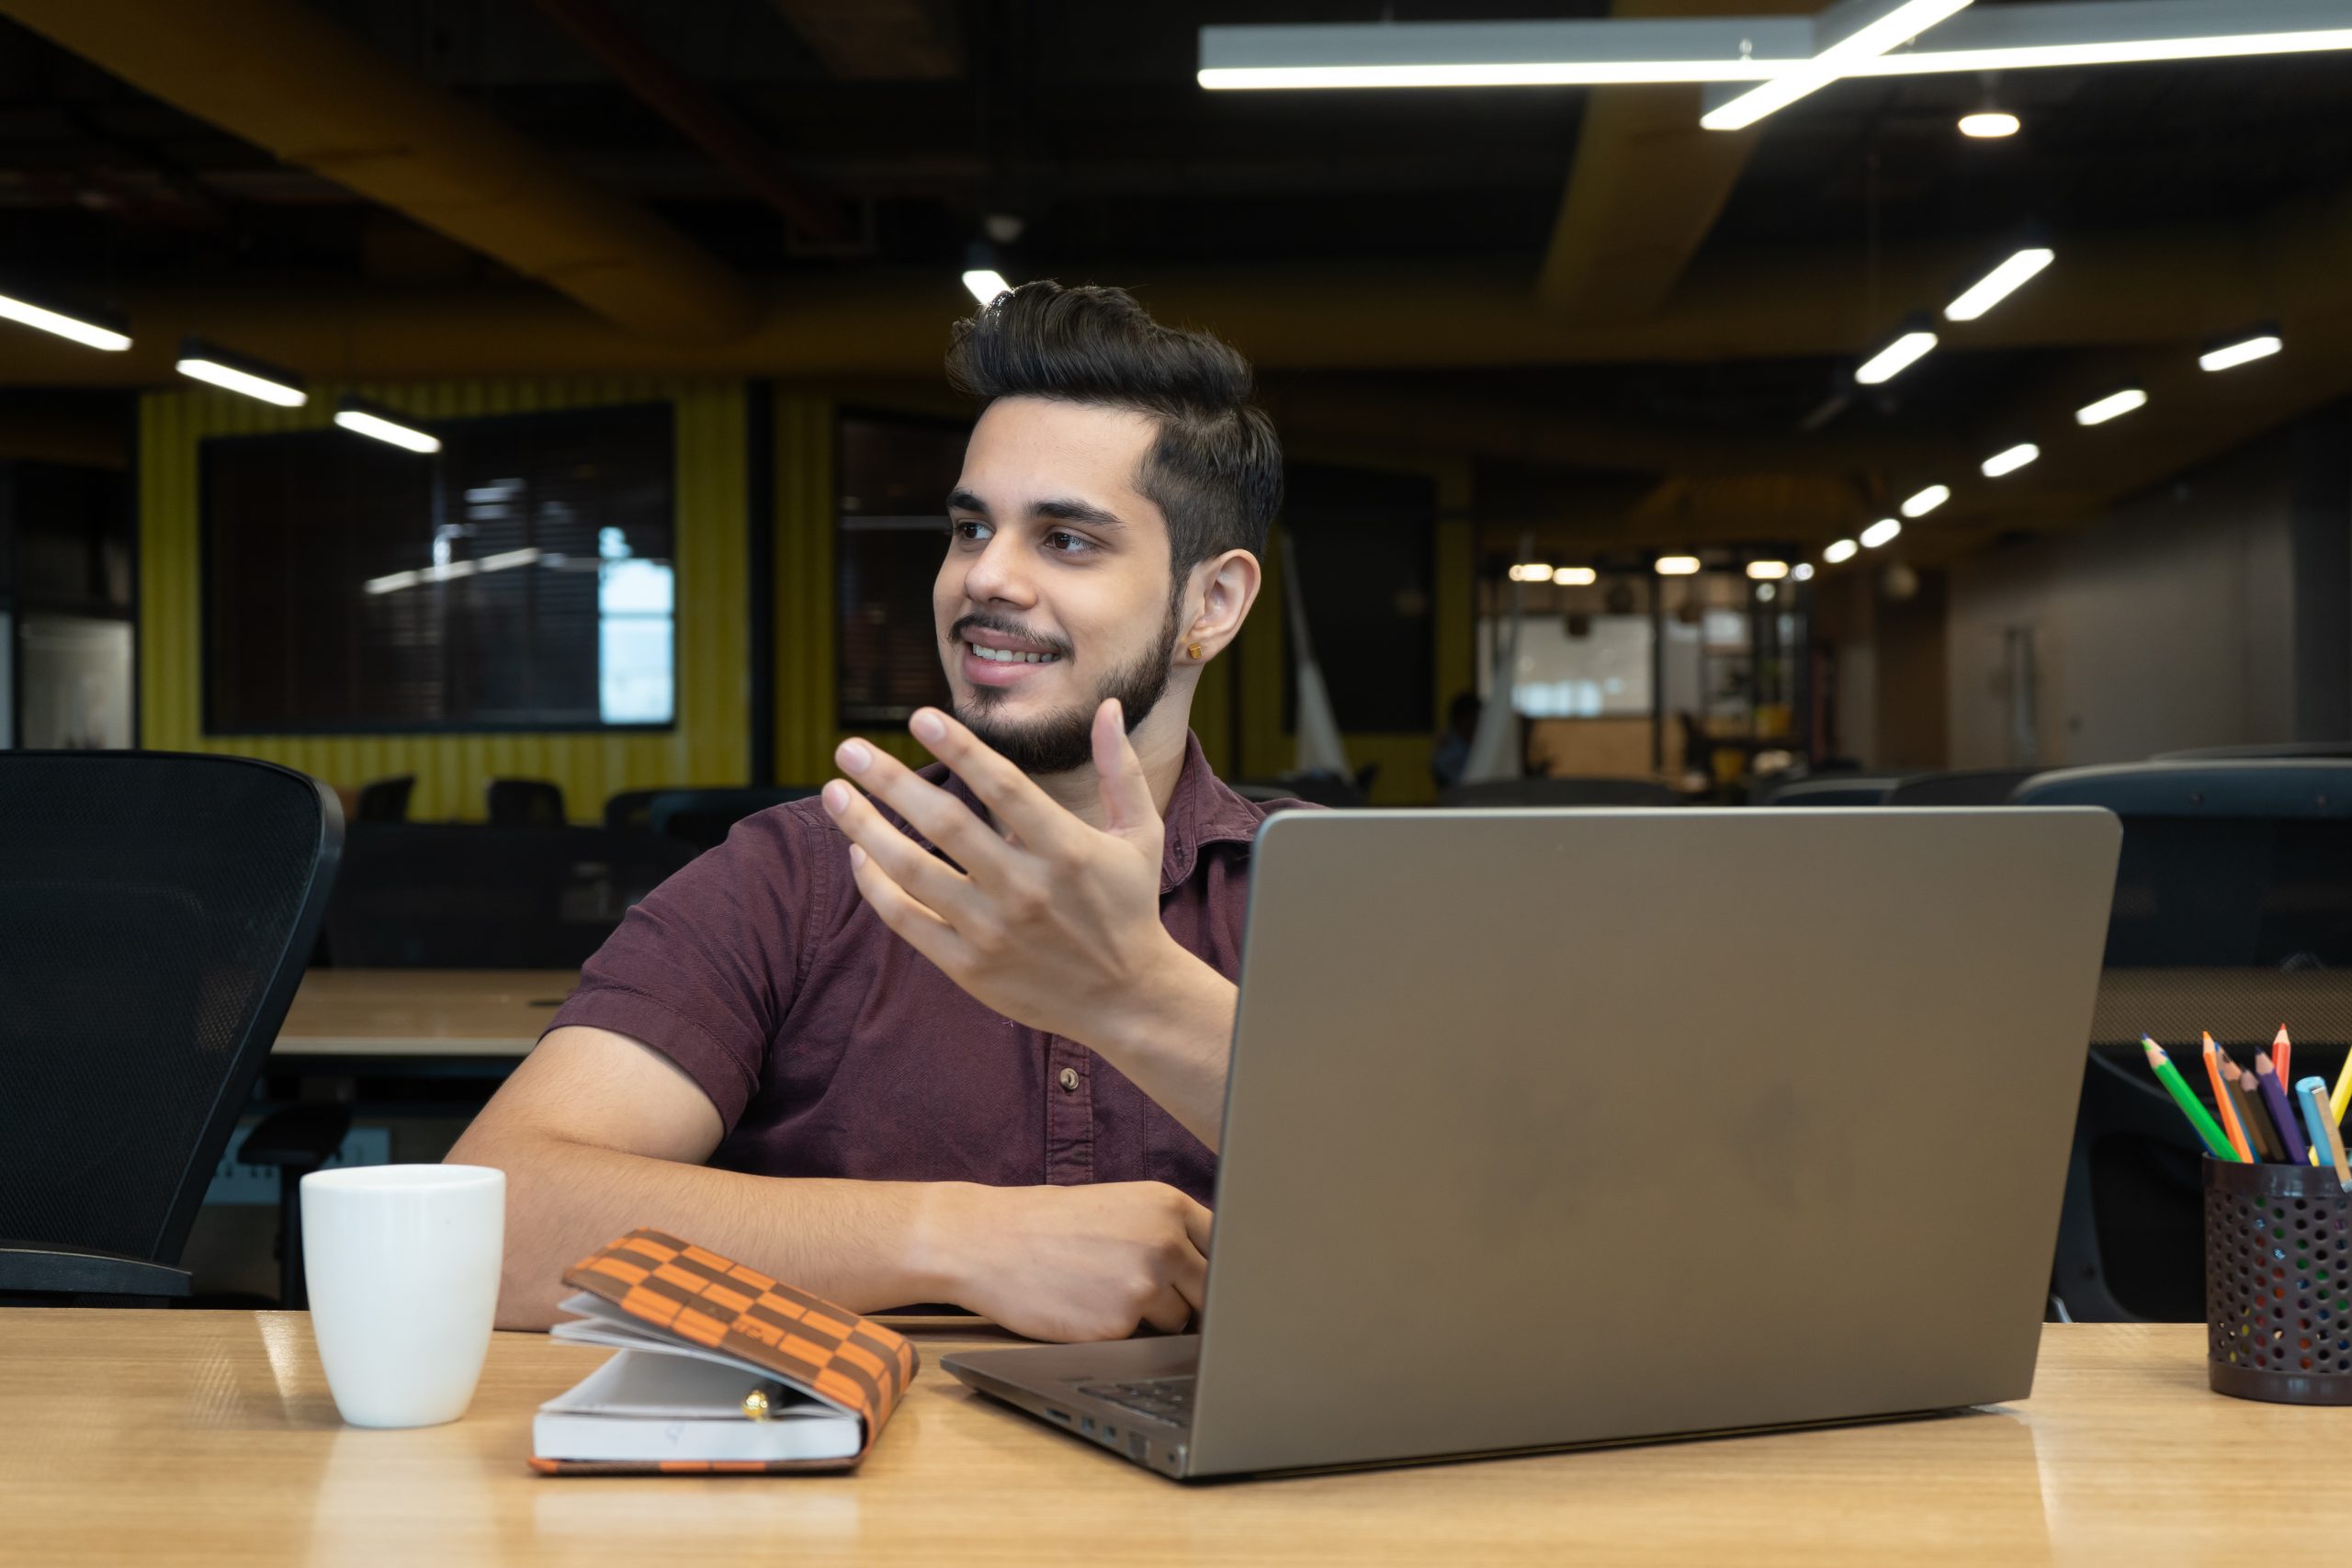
(2282,1051)
(2265,1146)
(2229,1113)
(2198,1117)
(2312,1092)
(2250,1090)
(2282,1108)
(2341,1101)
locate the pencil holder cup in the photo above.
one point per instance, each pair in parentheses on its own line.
(2277,1284)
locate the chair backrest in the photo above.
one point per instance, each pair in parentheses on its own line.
(385,800)
(1311,788)
(632,809)
(702,816)
(442,895)
(1970,786)
(2274,750)
(1561,791)
(1837,789)
(155,914)
(525,803)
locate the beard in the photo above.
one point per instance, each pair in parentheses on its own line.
(1063,741)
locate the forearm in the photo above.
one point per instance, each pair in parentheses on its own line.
(1174,1038)
(866,1245)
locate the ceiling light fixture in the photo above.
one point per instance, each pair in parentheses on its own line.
(2115,405)
(1867,28)
(88,333)
(2000,283)
(2230,355)
(2010,460)
(1839,551)
(1767,571)
(1677,566)
(1990,125)
(1531,571)
(1911,346)
(1802,571)
(1583,53)
(1575,576)
(200,361)
(1880,532)
(1926,501)
(384,424)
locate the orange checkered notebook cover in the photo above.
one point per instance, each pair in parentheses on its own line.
(830,1353)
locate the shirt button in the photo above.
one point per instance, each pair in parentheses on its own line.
(1069,1080)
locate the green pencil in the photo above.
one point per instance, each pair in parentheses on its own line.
(2198,1117)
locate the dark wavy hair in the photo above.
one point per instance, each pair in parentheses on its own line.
(1216,472)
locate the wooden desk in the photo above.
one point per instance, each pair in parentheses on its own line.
(208,1439)
(421,1012)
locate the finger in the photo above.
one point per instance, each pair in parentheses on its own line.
(1170,1312)
(923,875)
(916,925)
(1010,795)
(1191,1278)
(1118,772)
(1198,1221)
(929,809)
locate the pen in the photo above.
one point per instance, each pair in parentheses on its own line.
(2312,1092)
(2198,1117)
(2282,1110)
(2229,1113)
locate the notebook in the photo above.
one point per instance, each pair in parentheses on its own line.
(719,1369)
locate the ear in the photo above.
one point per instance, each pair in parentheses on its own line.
(1228,585)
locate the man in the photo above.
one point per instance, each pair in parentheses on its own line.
(960,1035)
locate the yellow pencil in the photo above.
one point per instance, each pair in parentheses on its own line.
(2340,1100)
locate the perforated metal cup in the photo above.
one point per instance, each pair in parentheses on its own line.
(2277,1284)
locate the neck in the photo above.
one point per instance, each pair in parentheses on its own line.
(1160,744)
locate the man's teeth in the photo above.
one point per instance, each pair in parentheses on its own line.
(1010,656)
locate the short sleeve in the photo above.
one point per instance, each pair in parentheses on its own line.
(705,967)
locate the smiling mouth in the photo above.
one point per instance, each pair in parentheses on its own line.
(1010,655)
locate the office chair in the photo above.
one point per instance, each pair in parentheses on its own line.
(1968,786)
(385,800)
(632,809)
(1835,789)
(1560,792)
(702,816)
(2277,750)
(525,803)
(1314,789)
(2236,883)
(155,910)
(444,896)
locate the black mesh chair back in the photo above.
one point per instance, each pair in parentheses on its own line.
(155,914)
(703,817)
(2314,750)
(441,895)
(385,800)
(1968,786)
(1561,791)
(525,803)
(1837,789)
(2233,912)
(633,808)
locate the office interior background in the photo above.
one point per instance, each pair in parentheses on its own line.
(1989,419)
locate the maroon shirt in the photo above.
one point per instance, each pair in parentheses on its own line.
(833,1048)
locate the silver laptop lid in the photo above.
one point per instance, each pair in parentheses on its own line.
(1563,1126)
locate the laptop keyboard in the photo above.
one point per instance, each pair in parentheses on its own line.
(1162,1399)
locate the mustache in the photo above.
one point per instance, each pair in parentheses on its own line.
(1003,627)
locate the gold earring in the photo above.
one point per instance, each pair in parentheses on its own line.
(1195,652)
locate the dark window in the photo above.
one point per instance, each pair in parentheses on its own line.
(521,579)
(1364,540)
(894,474)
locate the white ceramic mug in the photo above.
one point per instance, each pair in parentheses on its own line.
(402,1263)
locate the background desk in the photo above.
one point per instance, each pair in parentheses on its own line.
(421,1012)
(209,1438)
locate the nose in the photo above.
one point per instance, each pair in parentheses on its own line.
(995,576)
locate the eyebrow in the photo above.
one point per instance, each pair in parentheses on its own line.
(1056,510)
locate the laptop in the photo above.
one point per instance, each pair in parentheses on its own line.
(1552,1128)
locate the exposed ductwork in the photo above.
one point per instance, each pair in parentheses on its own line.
(280,76)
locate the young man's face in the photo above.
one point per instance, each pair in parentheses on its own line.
(1054,594)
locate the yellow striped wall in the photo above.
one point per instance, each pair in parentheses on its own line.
(709,745)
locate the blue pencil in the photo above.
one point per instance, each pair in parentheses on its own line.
(2282,1110)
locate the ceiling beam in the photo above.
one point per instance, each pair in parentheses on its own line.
(280,75)
(1644,186)
(879,40)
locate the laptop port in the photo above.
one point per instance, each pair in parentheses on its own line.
(1060,1415)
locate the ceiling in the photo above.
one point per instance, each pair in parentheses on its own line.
(1600,304)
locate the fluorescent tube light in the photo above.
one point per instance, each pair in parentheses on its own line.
(1531,571)
(1926,501)
(1999,283)
(356,416)
(1575,576)
(1767,571)
(89,334)
(1881,532)
(1841,550)
(1902,24)
(2115,405)
(2246,351)
(1677,566)
(1802,571)
(201,363)
(986,284)
(1990,125)
(1895,358)
(1581,52)
(2011,460)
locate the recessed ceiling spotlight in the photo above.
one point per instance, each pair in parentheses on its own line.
(1926,501)
(1531,571)
(1575,576)
(1990,125)
(1802,571)
(1842,550)
(1881,532)
(2010,460)
(1767,571)
(1677,566)
(2115,405)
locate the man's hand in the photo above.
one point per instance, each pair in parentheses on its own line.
(1071,1263)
